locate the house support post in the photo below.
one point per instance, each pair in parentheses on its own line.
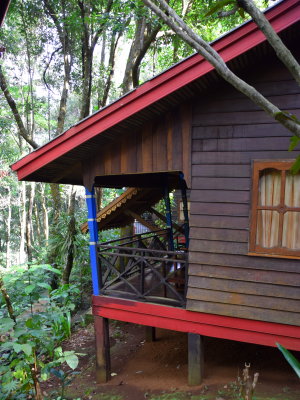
(150,334)
(101,324)
(169,218)
(103,370)
(195,359)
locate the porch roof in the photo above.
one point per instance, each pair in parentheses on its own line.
(60,160)
(117,213)
(123,210)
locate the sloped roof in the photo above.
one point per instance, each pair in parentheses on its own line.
(60,159)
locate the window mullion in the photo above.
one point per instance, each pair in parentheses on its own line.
(282,207)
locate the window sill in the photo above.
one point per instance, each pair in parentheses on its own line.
(273,255)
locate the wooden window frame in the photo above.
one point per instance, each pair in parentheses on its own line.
(255,249)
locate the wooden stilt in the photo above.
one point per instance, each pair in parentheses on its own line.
(150,334)
(102,349)
(195,359)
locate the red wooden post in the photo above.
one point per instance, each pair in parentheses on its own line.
(195,359)
(102,349)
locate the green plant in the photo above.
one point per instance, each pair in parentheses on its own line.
(30,347)
(294,363)
(66,378)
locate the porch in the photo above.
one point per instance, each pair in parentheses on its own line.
(140,268)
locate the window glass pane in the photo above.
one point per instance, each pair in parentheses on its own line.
(267,228)
(291,230)
(292,190)
(269,187)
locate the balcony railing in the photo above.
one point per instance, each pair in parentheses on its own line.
(140,267)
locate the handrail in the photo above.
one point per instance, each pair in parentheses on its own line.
(173,260)
(144,249)
(138,234)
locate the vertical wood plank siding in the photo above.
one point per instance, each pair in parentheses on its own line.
(228,133)
(161,145)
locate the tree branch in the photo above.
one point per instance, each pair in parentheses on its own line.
(100,30)
(264,25)
(207,52)
(223,14)
(47,66)
(12,104)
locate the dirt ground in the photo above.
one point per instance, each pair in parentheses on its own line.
(158,370)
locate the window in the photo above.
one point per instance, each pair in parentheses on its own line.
(275,221)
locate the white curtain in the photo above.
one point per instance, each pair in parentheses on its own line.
(267,220)
(291,219)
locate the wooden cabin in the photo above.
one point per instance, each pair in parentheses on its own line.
(238,275)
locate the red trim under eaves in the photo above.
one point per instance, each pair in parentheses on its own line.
(178,319)
(230,46)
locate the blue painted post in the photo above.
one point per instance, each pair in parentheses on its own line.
(93,230)
(185,210)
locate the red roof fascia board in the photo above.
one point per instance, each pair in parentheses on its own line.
(229,47)
(224,327)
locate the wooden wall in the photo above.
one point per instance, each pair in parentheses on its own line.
(228,133)
(160,145)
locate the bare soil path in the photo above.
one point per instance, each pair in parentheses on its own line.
(158,370)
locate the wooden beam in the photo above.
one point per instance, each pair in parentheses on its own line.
(103,367)
(147,224)
(164,219)
(195,359)
(178,319)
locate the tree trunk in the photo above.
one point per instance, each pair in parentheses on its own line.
(8,229)
(38,224)
(7,300)
(144,36)
(56,206)
(29,221)
(111,65)
(71,236)
(133,53)
(45,214)
(99,193)
(22,214)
